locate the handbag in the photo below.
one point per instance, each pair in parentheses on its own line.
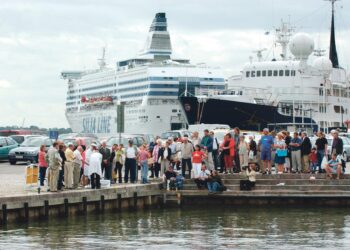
(150,161)
(282,152)
(324,162)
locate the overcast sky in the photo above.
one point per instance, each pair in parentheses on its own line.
(40,38)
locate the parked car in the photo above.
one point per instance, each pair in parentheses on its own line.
(137,140)
(6,144)
(29,149)
(346,147)
(78,141)
(21,138)
(175,134)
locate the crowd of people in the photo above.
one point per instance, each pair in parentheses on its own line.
(200,159)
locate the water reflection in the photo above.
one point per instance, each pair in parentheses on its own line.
(195,228)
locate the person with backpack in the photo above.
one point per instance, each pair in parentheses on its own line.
(131,154)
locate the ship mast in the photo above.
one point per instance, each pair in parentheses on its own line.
(283,35)
(333,55)
(102,60)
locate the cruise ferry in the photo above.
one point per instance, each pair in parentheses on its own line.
(146,88)
(287,92)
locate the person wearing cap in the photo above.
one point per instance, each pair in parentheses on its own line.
(68,166)
(186,153)
(131,154)
(265,145)
(207,145)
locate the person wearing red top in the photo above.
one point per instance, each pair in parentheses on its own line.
(197,158)
(228,150)
(42,164)
(313,160)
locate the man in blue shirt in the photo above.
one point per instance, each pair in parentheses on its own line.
(265,145)
(295,146)
(207,144)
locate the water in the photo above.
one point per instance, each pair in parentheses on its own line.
(189,228)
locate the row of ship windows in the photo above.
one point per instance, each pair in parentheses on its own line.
(152,93)
(264,73)
(167,86)
(166,78)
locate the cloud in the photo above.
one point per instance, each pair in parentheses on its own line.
(5,84)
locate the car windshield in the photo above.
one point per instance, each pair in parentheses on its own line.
(33,142)
(115,140)
(166,135)
(18,138)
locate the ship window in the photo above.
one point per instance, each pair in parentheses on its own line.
(292,73)
(253,73)
(264,73)
(280,73)
(321,92)
(158,116)
(275,73)
(322,108)
(269,73)
(286,72)
(174,110)
(247,74)
(258,73)
(338,109)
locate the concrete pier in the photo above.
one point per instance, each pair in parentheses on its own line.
(78,202)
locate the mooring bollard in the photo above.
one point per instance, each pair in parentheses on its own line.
(26,211)
(46,209)
(4,214)
(66,207)
(84,205)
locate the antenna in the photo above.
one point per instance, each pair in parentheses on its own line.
(283,35)
(102,60)
(259,53)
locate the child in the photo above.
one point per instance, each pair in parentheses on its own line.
(313,160)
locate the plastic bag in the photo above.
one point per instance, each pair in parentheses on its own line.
(324,162)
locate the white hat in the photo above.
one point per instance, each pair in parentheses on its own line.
(70,144)
(93,145)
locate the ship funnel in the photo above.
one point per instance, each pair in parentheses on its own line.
(158,41)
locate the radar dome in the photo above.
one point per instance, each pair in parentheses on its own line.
(323,64)
(301,46)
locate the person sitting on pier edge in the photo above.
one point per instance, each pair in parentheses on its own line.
(215,183)
(186,154)
(202,178)
(249,175)
(131,154)
(197,159)
(334,166)
(228,151)
(170,178)
(207,145)
(95,171)
(265,145)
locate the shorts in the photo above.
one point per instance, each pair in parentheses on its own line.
(280,159)
(265,155)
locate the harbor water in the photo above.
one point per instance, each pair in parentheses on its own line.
(189,228)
